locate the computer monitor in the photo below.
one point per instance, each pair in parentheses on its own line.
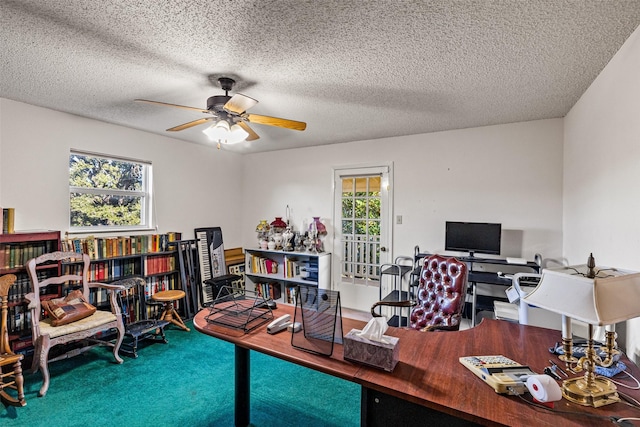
(473,237)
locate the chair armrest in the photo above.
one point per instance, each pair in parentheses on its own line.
(113,290)
(434,328)
(128,283)
(406,303)
(108,286)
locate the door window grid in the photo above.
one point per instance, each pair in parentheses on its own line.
(361,229)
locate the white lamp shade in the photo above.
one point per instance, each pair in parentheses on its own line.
(238,134)
(221,132)
(611,297)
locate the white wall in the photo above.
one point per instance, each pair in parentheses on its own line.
(195,186)
(602,171)
(510,174)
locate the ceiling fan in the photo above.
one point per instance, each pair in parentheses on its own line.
(229,116)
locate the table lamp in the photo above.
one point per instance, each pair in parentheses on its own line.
(594,295)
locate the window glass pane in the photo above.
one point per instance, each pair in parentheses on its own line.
(374,184)
(374,208)
(361,227)
(347,208)
(107,193)
(361,208)
(361,186)
(347,187)
(89,210)
(374,230)
(97,172)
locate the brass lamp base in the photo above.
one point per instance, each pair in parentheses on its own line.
(602,392)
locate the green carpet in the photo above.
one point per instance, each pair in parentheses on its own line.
(187,382)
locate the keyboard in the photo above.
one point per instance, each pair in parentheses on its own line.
(501,373)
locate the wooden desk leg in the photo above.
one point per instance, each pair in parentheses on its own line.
(364,404)
(242,386)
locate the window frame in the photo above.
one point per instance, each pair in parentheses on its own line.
(146,196)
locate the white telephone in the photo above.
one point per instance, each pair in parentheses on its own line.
(280,324)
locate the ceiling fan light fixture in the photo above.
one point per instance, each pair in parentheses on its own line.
(221,132)
(228,117)
(238,134)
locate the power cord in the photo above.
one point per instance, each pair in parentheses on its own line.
(618,383)
(612,419)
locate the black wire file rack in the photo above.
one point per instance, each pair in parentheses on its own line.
(319,314)
(239,309)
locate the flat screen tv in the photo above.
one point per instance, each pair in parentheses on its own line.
(473,237)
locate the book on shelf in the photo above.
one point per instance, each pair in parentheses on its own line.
(262,265)
(303,268)
(159,283)
(290,294)
(8,220)
(268,290)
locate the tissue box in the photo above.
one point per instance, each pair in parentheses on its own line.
(383,355)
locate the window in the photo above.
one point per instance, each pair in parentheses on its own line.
(108,193)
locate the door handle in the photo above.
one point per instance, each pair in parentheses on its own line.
(383,249)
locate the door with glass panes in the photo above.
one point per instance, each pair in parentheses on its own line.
(363,234)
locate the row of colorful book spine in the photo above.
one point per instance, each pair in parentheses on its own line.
(22,286)
(16,255)
(158,264)
(269,290)
(262,265)
(109,247)
(19,320)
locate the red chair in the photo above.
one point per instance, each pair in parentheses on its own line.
(440,295)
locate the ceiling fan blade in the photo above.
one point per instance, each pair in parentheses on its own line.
(274,121)
(190,124)
(252,135)
(239,103)
(173,105)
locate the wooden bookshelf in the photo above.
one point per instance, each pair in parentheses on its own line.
(276,274)
(147,256)
(15,250)
(151,257)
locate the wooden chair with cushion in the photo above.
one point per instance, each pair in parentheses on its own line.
(440,295)
(71,319)
(10,363)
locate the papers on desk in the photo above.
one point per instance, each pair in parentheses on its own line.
(512,260)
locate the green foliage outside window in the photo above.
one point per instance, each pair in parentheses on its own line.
(106,192)
(361,209)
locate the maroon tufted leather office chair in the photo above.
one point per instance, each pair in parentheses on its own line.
(440,295)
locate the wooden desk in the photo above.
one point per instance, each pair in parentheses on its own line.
(428,379)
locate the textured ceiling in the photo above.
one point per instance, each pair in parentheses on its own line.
(351,69)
